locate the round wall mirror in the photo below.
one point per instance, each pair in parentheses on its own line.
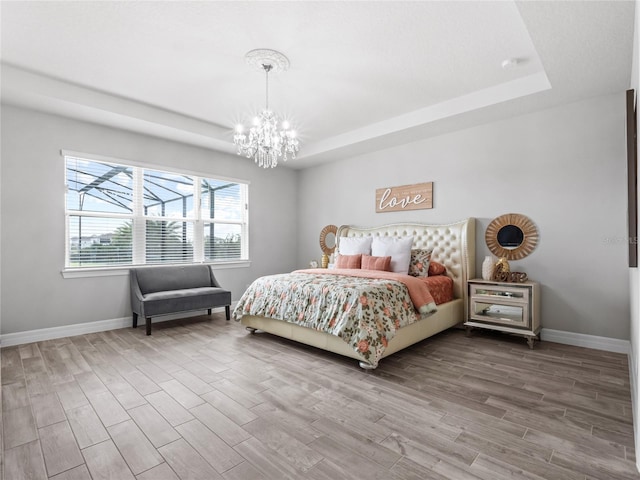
(512,235)
(328,239)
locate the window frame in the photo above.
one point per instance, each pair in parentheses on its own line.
(139,220)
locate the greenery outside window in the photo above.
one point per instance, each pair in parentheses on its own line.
(119,215)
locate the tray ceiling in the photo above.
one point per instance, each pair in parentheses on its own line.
(363,75)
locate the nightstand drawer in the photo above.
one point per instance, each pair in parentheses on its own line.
(498,294)
(500,312)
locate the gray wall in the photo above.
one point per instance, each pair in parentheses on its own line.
(34,294)
(565,168)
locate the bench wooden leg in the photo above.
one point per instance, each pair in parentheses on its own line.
(135,320)
(209,311)
(227,311)
(148,325)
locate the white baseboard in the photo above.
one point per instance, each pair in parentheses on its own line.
(633,384)
(30,336)
(589,341)
(20,338)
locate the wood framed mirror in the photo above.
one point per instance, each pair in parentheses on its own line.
(512,236)
(328,239)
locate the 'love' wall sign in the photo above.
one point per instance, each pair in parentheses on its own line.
(406,197)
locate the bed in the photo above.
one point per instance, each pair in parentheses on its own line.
(453,246)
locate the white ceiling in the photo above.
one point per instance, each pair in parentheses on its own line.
(364,75)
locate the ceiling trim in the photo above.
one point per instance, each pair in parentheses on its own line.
(39,92)
(504,92)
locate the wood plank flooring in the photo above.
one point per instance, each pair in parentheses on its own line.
(204,399)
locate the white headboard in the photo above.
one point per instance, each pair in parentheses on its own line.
(454,245)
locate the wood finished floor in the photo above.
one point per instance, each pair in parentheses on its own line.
(203,399)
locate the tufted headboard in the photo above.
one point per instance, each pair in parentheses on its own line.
(454,245)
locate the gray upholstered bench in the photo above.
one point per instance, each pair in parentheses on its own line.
(175,289)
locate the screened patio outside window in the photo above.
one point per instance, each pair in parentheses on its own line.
(118,215)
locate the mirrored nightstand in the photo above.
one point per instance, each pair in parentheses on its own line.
(507,307)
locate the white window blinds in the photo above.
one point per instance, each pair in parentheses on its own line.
(121,214)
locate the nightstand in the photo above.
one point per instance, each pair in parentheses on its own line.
(507,307)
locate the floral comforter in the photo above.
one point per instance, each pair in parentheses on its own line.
(364,312)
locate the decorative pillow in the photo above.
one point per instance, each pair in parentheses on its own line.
(399,249)
(420,258)
(436,268)
(376,263)
(349,261)
(354,245)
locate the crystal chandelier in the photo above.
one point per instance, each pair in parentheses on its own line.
(266,142)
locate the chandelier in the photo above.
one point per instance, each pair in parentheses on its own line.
(266,142)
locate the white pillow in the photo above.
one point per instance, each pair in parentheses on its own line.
(399,249)
(354,245)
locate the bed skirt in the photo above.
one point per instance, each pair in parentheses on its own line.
(448,315)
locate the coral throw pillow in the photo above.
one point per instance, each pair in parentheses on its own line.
(376,263)
(436,268)
(349,261)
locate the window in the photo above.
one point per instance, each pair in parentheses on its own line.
(120,215)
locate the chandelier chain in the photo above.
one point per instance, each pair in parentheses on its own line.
(267,69)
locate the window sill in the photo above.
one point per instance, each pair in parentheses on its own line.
(124,270)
